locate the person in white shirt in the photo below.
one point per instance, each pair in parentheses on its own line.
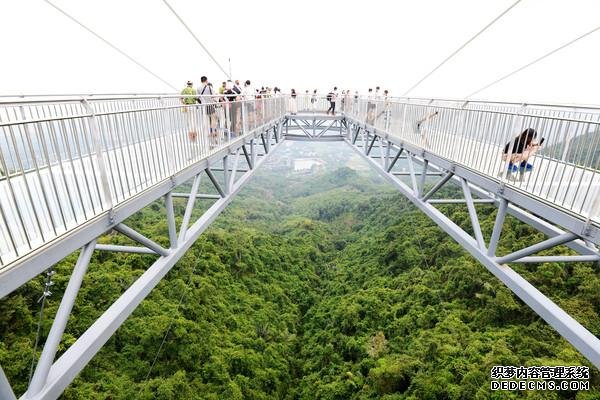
(250,97)
(386,110)
(205,97)
(313,100)
(370,107)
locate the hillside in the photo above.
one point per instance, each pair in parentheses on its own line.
(321,286)
(583,150)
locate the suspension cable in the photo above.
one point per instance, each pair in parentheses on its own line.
(196,38)
(461,47)
(164,339)
(130,58)
(529,64)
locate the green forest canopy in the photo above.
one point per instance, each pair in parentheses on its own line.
(323,285)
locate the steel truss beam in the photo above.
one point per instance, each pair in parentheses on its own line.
(563,323)
(51,377)
(314,127)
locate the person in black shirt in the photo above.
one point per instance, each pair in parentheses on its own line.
(523,147)
(233,108)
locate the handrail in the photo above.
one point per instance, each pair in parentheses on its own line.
(566,169)
(64,164)
(28,98)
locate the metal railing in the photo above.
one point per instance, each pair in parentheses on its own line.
(64,161)
(566,167)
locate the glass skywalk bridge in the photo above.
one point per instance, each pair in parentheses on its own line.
(73,168)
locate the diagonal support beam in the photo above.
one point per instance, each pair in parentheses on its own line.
(60,321)
(546,244)
(498,224)
(438,185)
(212,178)
(388,150)
(371,145)
(326,129)
(247,156)
(189,208)
(264,143)
(234,169)
(396,157)
(141,239)
(473,214)
(303,129)
(413,178)
(356,132)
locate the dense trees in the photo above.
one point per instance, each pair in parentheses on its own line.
(320,290)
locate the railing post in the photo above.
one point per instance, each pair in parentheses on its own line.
(171,160)
(97,143)
(244,117)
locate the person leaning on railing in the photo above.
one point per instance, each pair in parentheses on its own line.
(523,147)
(188,101)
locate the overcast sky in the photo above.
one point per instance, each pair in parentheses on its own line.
(304,44)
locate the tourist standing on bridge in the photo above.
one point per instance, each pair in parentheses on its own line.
(236,87)
(331,96)
(206,98)
(386,111)
(249,97)
(523,147)
(232,111)
(237,107)
(293,103)
(188,108)
(370,107)
(377,100)
(313,100)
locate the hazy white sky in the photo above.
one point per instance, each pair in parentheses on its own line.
(304,44)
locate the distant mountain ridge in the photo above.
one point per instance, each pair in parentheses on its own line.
(584,150)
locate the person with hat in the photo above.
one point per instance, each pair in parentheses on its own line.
(188,101)
(190,94)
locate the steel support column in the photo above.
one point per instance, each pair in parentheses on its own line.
(500,216)
(60,321)
(171,220)
(6,392)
